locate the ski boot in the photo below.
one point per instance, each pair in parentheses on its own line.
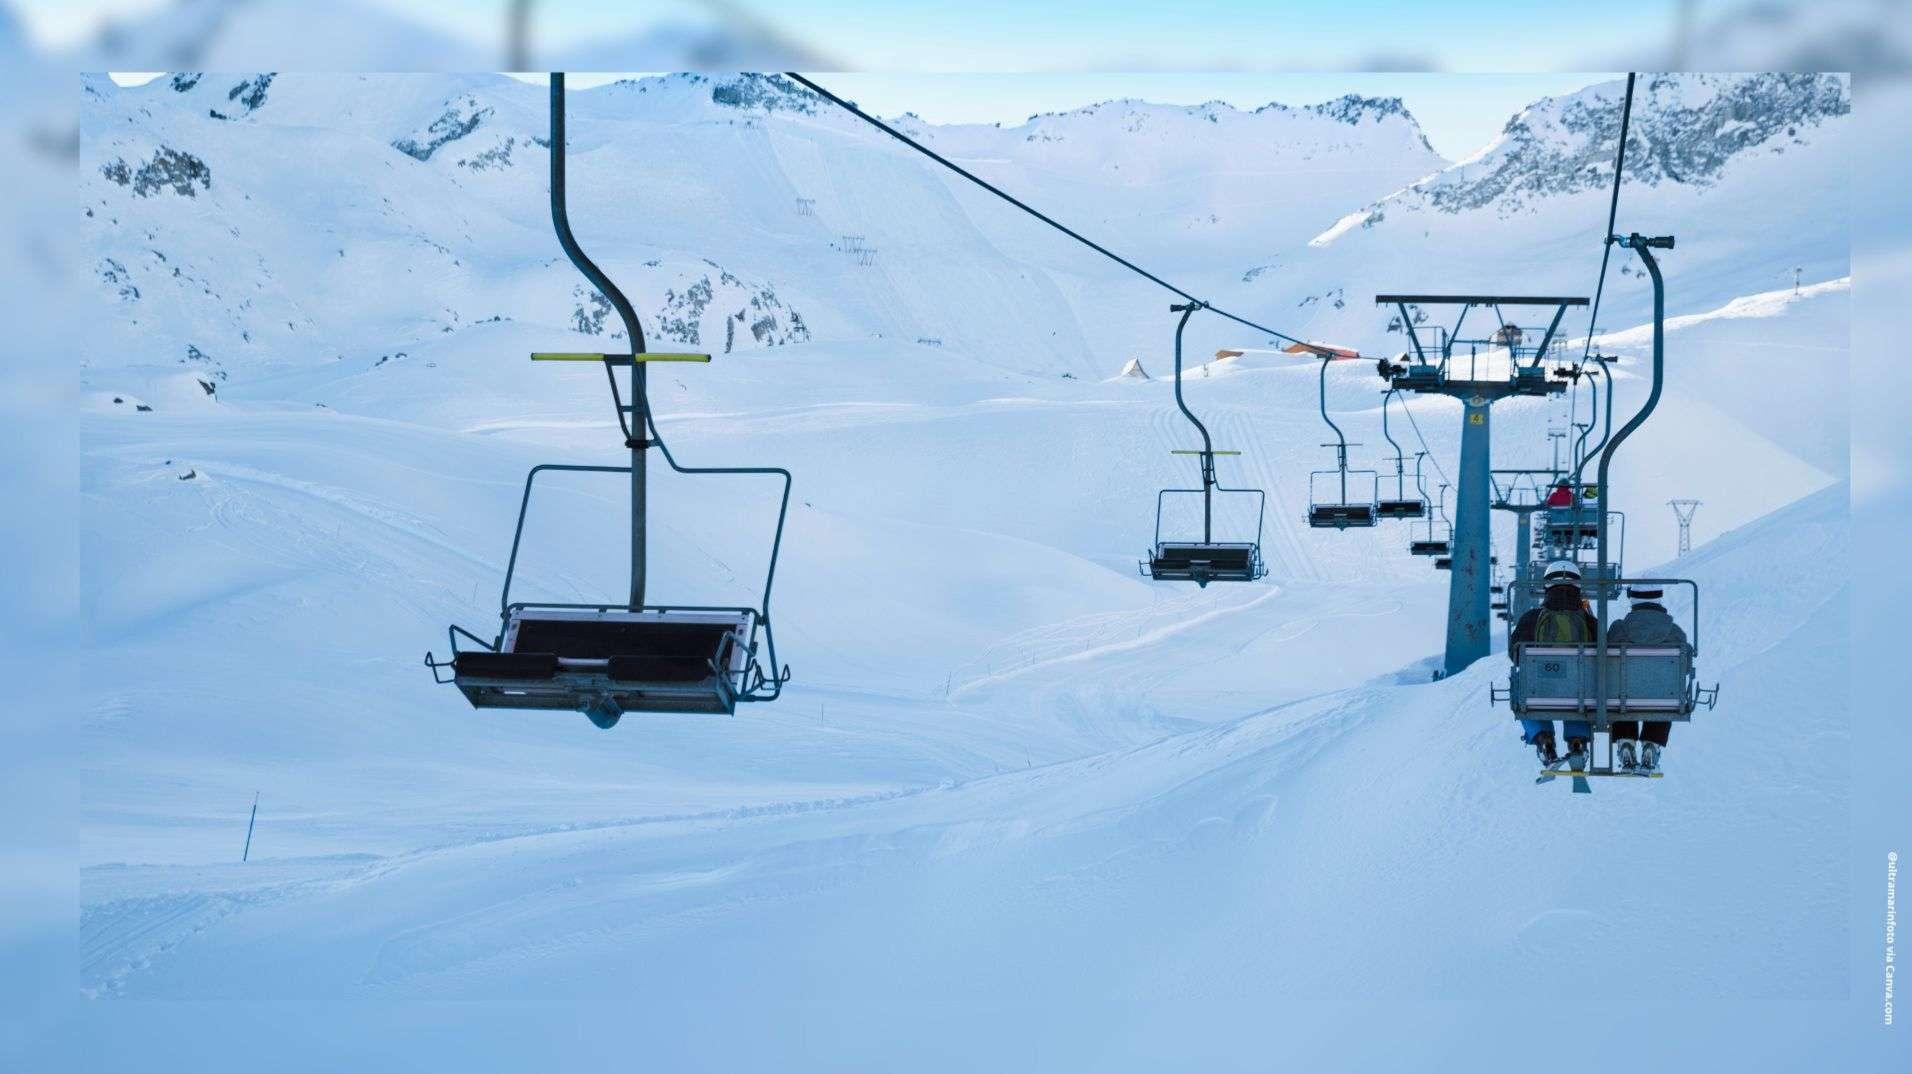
(1577,753)
(1650,757)
(1623,756)
(1544,749)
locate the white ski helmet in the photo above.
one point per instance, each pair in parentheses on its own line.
(1563,569)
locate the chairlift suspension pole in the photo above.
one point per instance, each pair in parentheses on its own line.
(1208,445)
(1420,483)
(1341,439)
(1644,247)
(1400,461)
(635,431)
(1586,430)
(1606,433)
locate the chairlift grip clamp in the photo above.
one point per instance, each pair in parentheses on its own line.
(1637,241)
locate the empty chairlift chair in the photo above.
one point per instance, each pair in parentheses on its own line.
(1332,503)
(1401,505)
(1436,541)
(608,659)
(1208,559)
(605,660)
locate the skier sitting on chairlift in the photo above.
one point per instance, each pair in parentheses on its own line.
(1561,619)
(1561,496)
(1647,623)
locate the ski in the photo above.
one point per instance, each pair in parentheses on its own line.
(1554,771)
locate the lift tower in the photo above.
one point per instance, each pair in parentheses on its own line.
(1683,510)
(1468,634)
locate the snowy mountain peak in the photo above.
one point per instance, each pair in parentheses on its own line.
(1686,129)
(1354,109)
(1351,109)
(215,96)
(763,93)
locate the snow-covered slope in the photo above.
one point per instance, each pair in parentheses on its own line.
(1260,852)
(1007,765)
(424,212)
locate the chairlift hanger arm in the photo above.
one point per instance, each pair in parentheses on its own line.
(1341,446)
(1580,444)
(1400,460)
(1208,445)
(561,223)
(1606,433)
(851,107)
(1644,247)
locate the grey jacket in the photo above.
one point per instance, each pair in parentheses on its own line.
(1646,624)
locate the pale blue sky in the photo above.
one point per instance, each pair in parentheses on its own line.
(1014,35)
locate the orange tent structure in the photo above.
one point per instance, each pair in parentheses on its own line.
(1322,350)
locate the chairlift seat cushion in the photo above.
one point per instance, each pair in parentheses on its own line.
(506,665)
(679,668)
(1427,548)
(1401,509)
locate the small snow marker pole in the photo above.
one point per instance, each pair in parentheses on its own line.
(247,853)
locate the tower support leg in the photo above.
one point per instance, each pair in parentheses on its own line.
(1523,551)
(1468,636)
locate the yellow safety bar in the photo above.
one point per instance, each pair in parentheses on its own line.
(647,356)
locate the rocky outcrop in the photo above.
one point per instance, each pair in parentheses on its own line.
(462,115)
